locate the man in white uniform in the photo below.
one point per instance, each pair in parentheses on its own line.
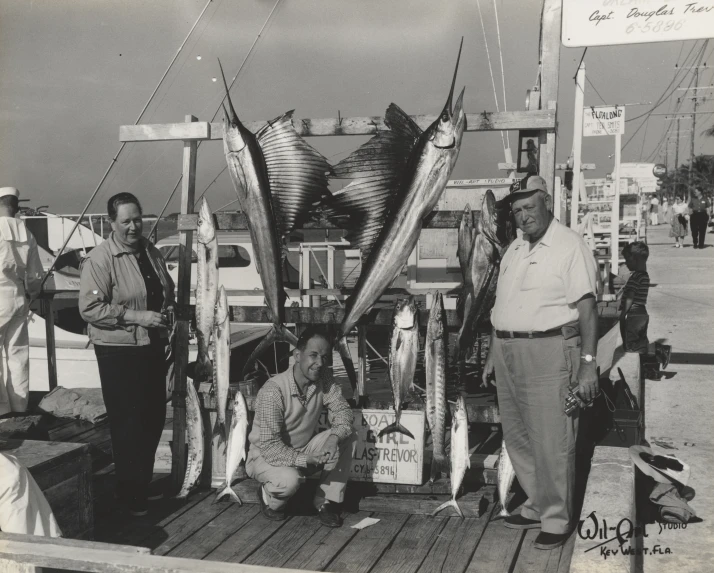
(20,277)
(654,211)
(544,340)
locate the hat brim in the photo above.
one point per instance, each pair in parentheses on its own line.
(660,476)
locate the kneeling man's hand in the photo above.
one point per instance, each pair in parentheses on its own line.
(330,451)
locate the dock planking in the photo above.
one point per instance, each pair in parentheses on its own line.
(215,532)
(241,544)
(287,541)
(411,545)
(368,546)
(164,540)
(325,544)
(532,560)
(497,550)
(455,545)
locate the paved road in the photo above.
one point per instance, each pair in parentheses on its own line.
(679,408)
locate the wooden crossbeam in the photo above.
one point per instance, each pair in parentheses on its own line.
(237,221)
(486,121)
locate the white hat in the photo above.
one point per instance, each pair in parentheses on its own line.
(4,191)
(663,468)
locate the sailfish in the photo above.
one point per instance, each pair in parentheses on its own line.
(397,178)
(278,178)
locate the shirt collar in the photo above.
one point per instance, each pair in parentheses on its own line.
(117,249)
(295,391)
(546,240)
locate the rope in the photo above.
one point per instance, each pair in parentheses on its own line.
(490,69)
(121,148)
(503,71)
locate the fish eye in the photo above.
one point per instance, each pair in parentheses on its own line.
(445,117)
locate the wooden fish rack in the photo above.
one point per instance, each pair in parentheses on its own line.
(541,115)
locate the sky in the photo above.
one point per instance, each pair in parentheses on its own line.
(73,71)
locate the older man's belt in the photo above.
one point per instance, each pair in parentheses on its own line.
(566,331)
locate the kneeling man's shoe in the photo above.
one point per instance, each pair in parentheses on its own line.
(329,515)
(520,522)
(272,514)
(550,540)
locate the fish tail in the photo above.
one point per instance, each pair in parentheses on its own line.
(438,463)
(450,503)
(228,491)
(221,430)
(278,333)
(396,427)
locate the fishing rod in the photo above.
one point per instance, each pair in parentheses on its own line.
(250,51)
(121,148)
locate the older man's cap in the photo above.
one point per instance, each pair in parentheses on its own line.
(12,191)
(529,185)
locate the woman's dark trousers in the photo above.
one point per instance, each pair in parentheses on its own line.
(134,389)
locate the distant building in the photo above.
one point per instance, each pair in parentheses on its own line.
(639,175)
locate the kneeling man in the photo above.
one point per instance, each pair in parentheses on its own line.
(284,446)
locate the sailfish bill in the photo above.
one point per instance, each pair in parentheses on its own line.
(278,178)
(397,178)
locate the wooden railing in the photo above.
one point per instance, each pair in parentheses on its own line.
(27,553)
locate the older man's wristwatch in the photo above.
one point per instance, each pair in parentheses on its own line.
(589,358)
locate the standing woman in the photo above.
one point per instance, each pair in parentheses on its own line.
(124,295)
(678,220)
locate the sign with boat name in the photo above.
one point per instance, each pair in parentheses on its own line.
(614,22)
(393,458)
(603,120)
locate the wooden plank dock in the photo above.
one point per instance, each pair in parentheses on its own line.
(402,541)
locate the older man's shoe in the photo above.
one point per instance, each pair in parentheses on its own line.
(520,522)
(272,514)
(329,515)
(550,540)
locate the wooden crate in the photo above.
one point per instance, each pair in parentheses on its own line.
(64,473)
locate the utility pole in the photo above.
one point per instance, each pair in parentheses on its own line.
(694,127)
(577,144)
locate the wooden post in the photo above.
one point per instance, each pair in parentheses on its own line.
(577,144)
(305,273)
(549,73)
(51,347)
(188,188)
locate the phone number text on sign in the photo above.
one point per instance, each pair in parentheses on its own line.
(393,458)
(613,22)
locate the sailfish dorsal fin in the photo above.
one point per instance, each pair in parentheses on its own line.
(375,170)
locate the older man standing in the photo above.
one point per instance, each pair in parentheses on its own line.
(20,277)
(544,340)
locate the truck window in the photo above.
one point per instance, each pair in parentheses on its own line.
(232,256)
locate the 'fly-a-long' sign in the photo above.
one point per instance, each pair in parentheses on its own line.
(604,120)
(612,22)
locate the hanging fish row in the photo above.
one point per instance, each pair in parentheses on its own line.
(397,178)
(212,329)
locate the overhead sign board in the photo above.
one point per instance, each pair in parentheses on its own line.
(659,170)
(614,22)
(603,120)
(496,182)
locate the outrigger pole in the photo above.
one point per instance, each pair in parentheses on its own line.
(121,148)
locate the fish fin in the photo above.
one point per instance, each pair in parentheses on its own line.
(375,170)
(296,171)
(278,333)
(395,427)
(450,503)
(228,491)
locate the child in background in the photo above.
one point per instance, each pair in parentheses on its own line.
(633,312)
(634,319)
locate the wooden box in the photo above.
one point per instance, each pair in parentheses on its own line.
(64,473)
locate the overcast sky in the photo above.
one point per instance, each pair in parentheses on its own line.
(73,71)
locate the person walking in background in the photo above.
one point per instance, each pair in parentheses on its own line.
(699,211)
(665,210)
(678,220)
(654,210)
(20,278)
(125,293)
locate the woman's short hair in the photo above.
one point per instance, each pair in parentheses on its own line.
(118,200)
